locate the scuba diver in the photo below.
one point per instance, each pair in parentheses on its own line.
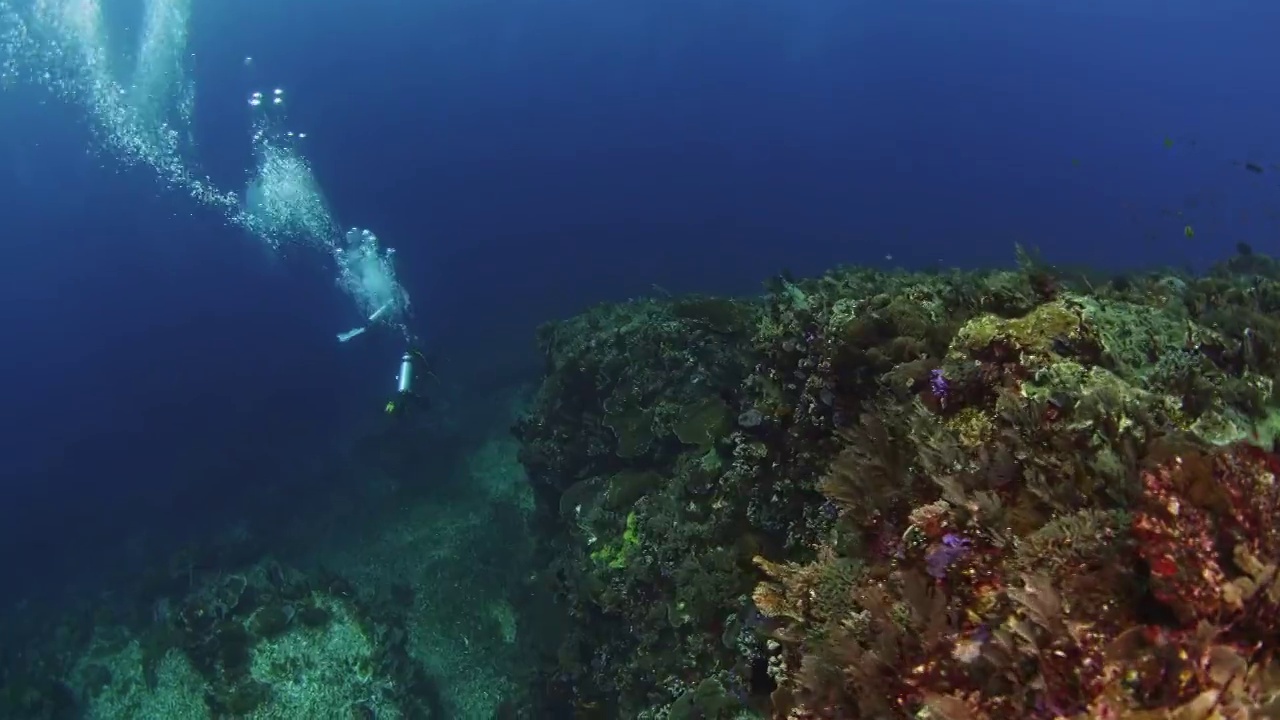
(396,444)
(408,398)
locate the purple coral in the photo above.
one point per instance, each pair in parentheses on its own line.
(938,384)
(952,548)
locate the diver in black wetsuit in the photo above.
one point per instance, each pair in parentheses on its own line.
(409,399)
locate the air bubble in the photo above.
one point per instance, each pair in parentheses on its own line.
(143,117)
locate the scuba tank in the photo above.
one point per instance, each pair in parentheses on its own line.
(404,380)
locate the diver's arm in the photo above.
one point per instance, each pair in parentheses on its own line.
(355,332)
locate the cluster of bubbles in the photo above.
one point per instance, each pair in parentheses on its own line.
(366,272)
(141,114)
(283,202)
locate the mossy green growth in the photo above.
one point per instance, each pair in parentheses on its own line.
(617,555)
(972,426)
(1134,336)
(1034,333)
(1267,431)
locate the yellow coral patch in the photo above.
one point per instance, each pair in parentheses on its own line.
(1034,332)
(971,426)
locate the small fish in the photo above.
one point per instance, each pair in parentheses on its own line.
(1253,168)
(1168,142)
(1189,231)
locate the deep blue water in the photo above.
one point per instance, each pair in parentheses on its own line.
(529,158)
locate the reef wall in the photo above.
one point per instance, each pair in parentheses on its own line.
(1029,493)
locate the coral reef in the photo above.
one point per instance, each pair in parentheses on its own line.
(868,495)
(398,607)
(268,643)
(958,496)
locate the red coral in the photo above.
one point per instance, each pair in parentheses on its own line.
(1175,538)
(1249,480)
(1068,633)
(1197,513)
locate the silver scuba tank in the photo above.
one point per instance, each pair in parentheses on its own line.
(404,381)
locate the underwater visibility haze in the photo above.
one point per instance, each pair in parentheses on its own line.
(700,359)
